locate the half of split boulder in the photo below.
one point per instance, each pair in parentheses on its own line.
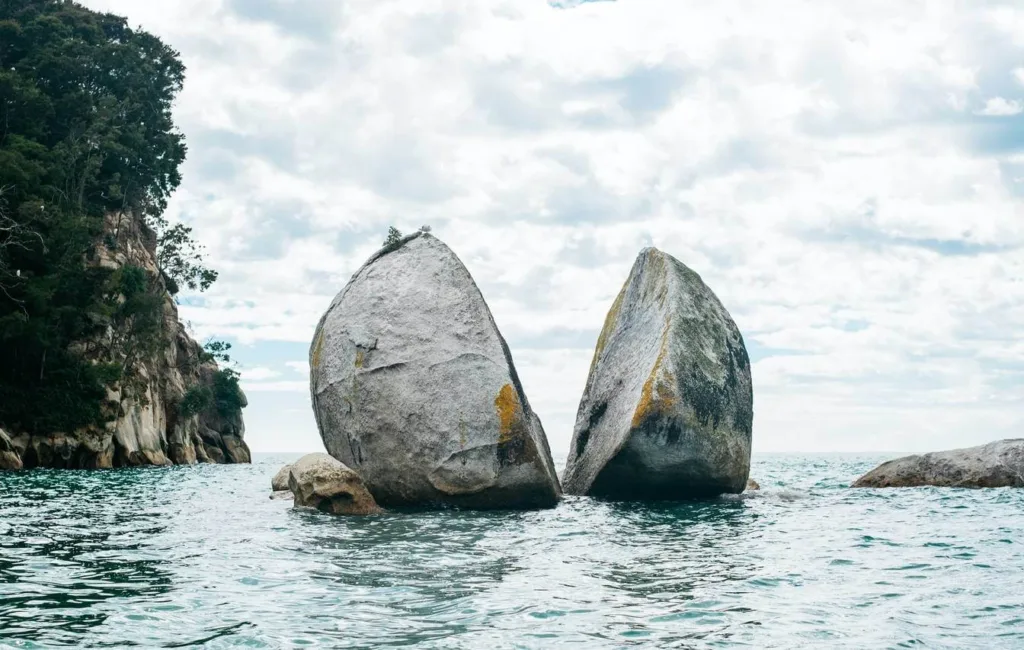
(414,387)
(668,408)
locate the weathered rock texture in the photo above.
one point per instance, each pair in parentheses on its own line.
(752,485)
(9,458)
(146,426)
(668,408)
(319,481)
(280,480)
(997,464)
(414,388)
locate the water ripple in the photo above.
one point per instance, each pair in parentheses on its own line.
(200,557)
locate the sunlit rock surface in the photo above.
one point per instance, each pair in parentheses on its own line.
(414,387)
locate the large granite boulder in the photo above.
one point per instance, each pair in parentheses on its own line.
(997,464)
(668,408)
(414,387)
(321,482)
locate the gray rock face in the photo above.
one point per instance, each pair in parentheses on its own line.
(414,387)
(280,480)
(997,464)
(321,482)
(668,408)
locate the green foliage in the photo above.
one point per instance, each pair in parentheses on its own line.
(136,309)
(394,237)
(217,351)
(85,130)
(132,281)
(227,395)
(181,260)
(196,400)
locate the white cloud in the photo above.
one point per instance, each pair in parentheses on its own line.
(260,373)
(999,107)
(275,386)
(819,165)
(301,367)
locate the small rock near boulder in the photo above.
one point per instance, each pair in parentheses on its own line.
(414,387)
(667,412)
(280,480)
(319,481)
(752,485)
(997,464)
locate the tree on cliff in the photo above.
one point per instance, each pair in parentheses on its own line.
(12,235)
(85,131)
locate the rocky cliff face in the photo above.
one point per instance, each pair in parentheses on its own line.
(147,422)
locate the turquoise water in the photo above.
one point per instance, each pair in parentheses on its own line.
(199,556)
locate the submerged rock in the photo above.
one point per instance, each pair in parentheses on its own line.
(668,408)
(280,480)
(752,485)
(321,482)
(997,464)
(414,387)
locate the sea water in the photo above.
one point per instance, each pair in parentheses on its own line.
(201,557)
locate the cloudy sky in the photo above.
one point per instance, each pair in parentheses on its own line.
(847,176)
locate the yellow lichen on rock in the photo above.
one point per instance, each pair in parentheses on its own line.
(507,404)
(658,393)
(317,348)
(360,357)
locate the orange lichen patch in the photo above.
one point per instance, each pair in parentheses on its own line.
(509,412)
(609,325)
(658,394)
(317,347)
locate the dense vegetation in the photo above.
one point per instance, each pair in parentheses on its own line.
(85,131)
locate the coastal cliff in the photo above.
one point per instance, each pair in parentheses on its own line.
(96,369)
(172,404)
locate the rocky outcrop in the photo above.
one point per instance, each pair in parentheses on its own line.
(752,485)
(9,458)
(414,388)
(320,481)
(668,408)
(147,422)
(280,480)
(997,464)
